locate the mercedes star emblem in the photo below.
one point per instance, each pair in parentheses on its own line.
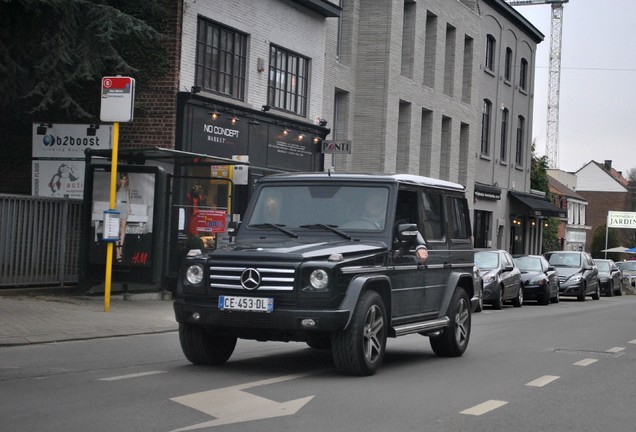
(250,279)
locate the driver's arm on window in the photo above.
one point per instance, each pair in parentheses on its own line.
(420,249)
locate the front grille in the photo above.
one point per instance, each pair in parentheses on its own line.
(272,278)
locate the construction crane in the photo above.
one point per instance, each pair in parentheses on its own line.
(554,73)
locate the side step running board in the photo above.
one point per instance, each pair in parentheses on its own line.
(427,326)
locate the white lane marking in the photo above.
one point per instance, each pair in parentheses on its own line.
(137,375)
(616,350)
(585,362)
(632,342)
(483,408)
(544,380)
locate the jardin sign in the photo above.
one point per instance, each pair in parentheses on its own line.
(619,219)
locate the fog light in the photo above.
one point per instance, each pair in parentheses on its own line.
(196,316)
(308,322)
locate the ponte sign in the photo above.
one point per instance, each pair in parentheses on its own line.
(621,219)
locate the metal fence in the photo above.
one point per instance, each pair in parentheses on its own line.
(39,241)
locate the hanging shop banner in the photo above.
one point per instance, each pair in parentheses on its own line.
(621,219)
(69,141)
(58,178)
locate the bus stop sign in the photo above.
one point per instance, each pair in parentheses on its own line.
(118,99)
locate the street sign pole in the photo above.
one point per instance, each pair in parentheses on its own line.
(118,99)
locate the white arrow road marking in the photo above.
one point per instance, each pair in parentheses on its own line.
(483,408)
(233,405)
(544,380)
(585,362)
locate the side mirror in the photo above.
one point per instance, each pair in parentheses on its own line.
(407,233)
(232,229)
(509,268)
(551,268)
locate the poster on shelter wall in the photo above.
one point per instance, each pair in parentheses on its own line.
(58,178)
(134,200)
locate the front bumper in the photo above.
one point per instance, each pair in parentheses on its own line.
(570,288)
(260,325)
(534,292)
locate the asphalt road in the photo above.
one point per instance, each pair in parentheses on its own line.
(563,367)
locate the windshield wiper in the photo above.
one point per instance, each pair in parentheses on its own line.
(330,228)
(278,227)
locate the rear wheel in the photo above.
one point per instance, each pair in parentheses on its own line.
(453,340)
(203,347)
(359,349)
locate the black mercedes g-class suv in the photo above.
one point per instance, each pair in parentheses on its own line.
(330,259)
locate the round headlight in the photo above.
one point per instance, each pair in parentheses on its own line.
(194,274)
(319,279)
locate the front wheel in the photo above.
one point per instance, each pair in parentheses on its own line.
(596,295)
(204,347)
(453,340)
(610,289)
(359,349)
(518,301)
(581,296)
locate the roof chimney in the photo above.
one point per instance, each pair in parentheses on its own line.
(608,165)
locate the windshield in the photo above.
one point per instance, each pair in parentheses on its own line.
(565,260)
(487,260)
(627,265)
(304,206)
(602,266)
(528,264)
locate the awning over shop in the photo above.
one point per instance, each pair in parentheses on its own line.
(539,206)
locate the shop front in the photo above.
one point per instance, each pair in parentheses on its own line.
(528,218)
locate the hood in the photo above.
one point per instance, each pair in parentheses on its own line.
(293,249)
(568,271)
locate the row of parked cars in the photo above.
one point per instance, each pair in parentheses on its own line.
(546,277)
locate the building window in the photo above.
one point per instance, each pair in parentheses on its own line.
(503,154)
(490,53)
(288,81)
(221,59)
(523,74)
(521,124)
(508,65)
(485,127)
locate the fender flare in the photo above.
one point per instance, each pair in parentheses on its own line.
(379,283)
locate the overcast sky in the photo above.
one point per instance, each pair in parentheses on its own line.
(597,114)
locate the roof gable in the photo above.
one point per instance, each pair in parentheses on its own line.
(593,177)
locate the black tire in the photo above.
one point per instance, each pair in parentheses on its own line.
(597,294)
(203,347)
(581,296)
(545,299)
(610,289)
(557,297)
(359,349)
(518,301)
(619,291)
(319,341)
(480,302)
(453,340)
(498,301)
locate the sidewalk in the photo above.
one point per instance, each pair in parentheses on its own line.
(30,319)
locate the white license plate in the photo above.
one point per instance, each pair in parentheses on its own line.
(250,304)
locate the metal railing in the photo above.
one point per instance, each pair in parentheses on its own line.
(39,240)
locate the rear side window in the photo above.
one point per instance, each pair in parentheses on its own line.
(458,219)
(433,216)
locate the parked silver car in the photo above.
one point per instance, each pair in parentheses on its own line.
(628,270)
(578,276)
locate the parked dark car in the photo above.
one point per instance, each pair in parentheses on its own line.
(502,278)
(610,277)
(578,276)
(540,279)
